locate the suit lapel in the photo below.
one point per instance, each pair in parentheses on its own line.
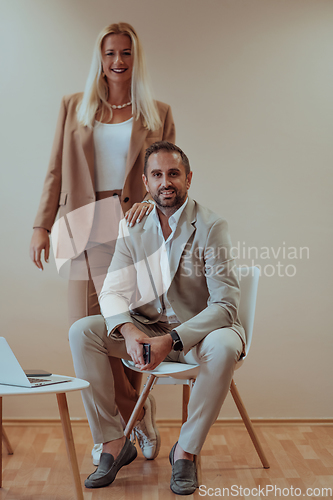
(185,229)
(139,133)
(87,141)
(151,238)
(153,243)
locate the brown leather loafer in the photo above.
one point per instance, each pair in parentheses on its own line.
(108,467)
(184,475)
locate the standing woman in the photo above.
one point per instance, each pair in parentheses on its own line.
(96,167)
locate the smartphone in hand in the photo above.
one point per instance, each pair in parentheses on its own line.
(146,353)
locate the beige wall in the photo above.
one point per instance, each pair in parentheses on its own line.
(250,84)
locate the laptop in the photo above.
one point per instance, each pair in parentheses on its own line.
(11,372)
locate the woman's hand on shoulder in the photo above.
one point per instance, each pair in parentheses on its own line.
(40,241)
(137,212)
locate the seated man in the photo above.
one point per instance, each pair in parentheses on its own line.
(171,284)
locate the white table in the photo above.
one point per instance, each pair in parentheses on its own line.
(60,390)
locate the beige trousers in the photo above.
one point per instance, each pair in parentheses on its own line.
(87,275)
(91,348)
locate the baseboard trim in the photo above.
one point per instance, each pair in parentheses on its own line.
(175,423)
(257,421)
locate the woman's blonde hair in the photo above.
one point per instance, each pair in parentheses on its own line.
(96,90)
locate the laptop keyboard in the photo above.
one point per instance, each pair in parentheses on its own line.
(36,380)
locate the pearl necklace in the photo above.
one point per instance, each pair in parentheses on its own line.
(113,106)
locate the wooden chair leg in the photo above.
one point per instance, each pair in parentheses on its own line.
(6,442)
(68,435)
(139,405)
(248,424)
(186,398)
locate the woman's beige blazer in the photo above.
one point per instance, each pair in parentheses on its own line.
(69,183)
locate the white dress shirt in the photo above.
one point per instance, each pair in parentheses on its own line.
(168,315)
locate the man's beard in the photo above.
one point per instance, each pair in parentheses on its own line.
(176,202)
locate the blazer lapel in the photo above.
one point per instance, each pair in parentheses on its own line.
(139,133)
(87,141)
(185,229)
(153,243)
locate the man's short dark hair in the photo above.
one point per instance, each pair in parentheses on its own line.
(166,146)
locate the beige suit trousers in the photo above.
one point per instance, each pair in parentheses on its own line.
(87,274)
(217,355)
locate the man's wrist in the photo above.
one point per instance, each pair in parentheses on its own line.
(177,344)
(168,336)
(125,328)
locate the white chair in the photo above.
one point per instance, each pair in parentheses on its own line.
(185,374)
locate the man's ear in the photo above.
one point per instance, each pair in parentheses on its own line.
(144,179)
(189,180)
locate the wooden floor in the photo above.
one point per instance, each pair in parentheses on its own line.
(301,456)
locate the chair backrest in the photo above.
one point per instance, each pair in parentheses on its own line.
(248,280)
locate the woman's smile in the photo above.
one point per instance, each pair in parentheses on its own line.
(117,58)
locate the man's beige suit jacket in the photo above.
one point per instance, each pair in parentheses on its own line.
(203,287)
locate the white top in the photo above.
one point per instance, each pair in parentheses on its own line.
(168,313)
(111,144)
